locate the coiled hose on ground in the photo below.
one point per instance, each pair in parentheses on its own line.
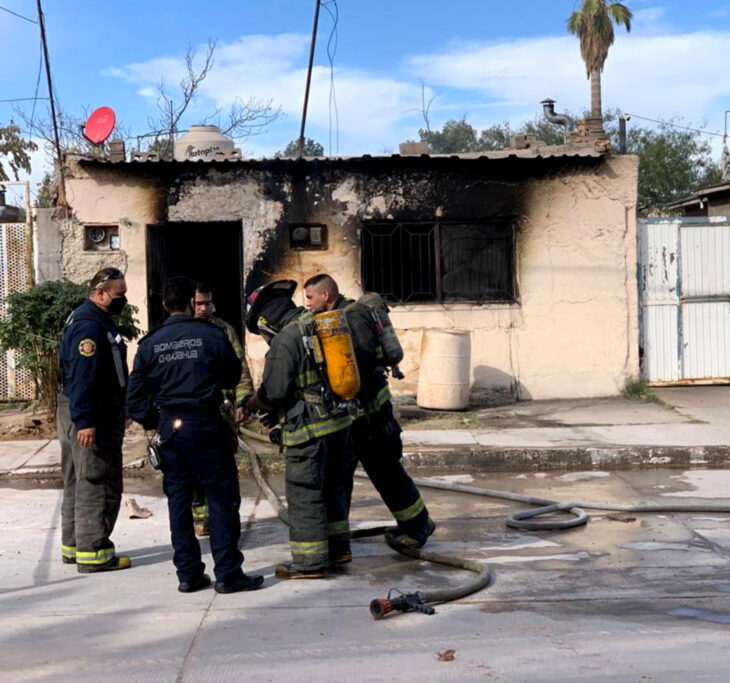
(421,601)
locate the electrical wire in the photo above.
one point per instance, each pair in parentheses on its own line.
(20,16)
(23,99)
(37,85)
(331,52)
(674,125)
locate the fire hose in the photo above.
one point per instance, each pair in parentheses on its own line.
(421,601)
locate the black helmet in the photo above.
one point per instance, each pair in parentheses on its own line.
(261,296)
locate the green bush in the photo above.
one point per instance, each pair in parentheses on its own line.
(33,330)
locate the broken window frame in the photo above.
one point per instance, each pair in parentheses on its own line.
(389,242)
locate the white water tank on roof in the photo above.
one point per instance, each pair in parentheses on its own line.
(201,143)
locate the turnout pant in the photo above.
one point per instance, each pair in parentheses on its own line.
(92,485)
(375,441)
(318,527)
(200,507)
(201,450)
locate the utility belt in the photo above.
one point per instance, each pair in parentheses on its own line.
(317,397)
(352,407)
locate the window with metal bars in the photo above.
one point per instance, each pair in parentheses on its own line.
(421,262)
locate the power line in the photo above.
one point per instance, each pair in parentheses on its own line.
(24,99)
(331,51)
(37,85)
(674,125)
(20,16)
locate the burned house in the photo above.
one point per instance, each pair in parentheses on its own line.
(533,250)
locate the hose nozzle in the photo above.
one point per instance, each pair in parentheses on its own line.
(406,602)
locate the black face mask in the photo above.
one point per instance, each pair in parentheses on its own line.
(117,305)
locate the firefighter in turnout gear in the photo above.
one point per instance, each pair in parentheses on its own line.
(294,392)
(375,437)
(180,373)
(203,308)
(91,423)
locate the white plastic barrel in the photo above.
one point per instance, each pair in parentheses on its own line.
(443,379)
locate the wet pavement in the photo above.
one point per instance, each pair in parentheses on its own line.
(628,597)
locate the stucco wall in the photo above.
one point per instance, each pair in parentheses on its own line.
(573,331)
(111,196)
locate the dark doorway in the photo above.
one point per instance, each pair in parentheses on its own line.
(205,252)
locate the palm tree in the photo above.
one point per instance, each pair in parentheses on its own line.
(593,25)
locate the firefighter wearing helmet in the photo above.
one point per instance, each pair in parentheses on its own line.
(295,395)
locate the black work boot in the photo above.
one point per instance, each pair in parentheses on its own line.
(286,571)
(340,559)
(403,541)
(202,529)
(117,562)
(245,582)
(196,584)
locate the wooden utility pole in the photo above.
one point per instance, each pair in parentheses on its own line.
(309,79)
(59,155)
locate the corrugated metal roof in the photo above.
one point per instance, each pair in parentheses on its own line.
(697,196)
(543,152)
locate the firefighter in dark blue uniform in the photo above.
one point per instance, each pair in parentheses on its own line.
(180,373)
(375,439)
(90,422)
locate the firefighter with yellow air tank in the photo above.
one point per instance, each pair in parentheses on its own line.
(375,435)
(296,393)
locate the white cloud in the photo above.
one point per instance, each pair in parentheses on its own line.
(648,20)
(372,108)
(649,73)
(658,76)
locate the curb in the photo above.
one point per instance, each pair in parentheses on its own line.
(486,459)
(560,458)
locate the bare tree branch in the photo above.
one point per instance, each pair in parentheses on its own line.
(425,107)
(70,131)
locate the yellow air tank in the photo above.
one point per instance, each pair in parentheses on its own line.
(339,353)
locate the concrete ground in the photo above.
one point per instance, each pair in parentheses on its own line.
(627,597)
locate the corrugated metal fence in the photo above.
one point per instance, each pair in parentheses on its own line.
(684,291)
(14,277)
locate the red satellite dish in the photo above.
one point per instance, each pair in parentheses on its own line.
(99,125)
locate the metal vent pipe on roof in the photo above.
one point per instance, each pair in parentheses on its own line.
(548,109)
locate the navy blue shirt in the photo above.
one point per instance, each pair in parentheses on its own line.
(88,371)
(186,363)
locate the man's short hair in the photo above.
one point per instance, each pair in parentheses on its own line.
(323,281)
(204,288)
(102,277)
(178,293)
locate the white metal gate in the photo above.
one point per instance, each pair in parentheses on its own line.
(684,291)
(14,277)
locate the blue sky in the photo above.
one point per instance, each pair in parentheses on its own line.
(490,61)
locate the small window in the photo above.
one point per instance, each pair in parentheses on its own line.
(101,237)
(421,262)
